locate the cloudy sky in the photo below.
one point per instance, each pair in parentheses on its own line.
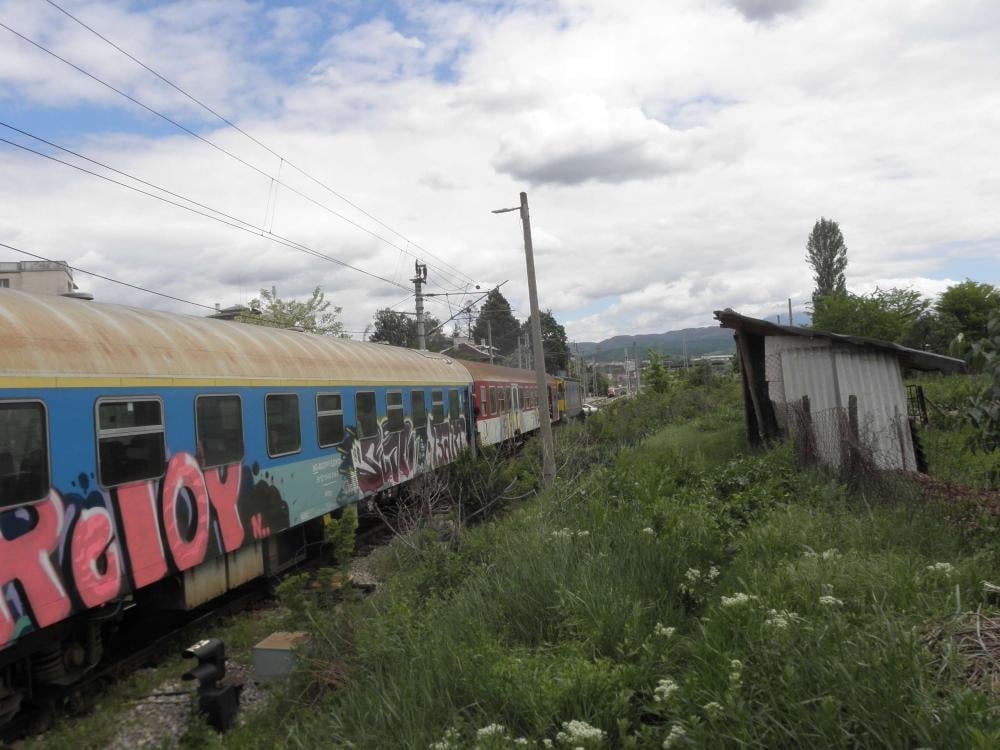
(675,152)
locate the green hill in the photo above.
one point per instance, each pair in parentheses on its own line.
(696,341)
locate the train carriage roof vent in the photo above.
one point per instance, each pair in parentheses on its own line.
(79,295)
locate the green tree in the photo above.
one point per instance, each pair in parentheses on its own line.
(932,332)
(554,343)
(505,327)
(314,314)
(826,254)
(970,303)
(655,376)
(887,314)
(400,329)
(983,412)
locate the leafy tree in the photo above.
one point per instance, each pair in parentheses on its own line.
(983,411)
(887,314)
(313,315)
(506,328)
(400,329)
(826,254)
(970,303)
(554,343)
(656,376)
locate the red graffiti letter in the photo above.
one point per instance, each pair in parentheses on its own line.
(183,474)
(28,559)
(224,496)
(137,510)
(95,558)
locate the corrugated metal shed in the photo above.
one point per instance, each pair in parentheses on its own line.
(829,373)
(49,340)
(847,392)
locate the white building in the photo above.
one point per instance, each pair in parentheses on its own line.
(38,276)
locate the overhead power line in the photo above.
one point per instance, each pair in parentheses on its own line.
(208,212)
(243,132)
(108,278)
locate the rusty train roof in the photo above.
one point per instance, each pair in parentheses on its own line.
(49,340)
(486,371)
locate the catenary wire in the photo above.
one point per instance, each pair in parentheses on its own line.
(215,214)
(229,153)
(141,288)
(108,278)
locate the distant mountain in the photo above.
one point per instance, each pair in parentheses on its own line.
(696,341)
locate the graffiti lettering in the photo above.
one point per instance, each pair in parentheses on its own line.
(447,441)
(223,484)
(28,560)
(184,489)
(137,511)
(388,459)
(95,557)
(166,525)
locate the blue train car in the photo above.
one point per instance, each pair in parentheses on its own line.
(169,458)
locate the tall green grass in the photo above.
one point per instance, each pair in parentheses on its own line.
(680,595)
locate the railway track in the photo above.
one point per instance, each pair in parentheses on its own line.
(142,641)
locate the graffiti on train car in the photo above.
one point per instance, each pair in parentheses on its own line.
(396,456)
(83,549)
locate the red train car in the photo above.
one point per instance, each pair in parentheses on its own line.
(505,401)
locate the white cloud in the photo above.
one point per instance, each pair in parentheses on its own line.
(676,154)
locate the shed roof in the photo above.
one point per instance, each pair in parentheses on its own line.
(53,339)
(912,358)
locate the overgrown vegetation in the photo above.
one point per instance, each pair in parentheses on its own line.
(668,594)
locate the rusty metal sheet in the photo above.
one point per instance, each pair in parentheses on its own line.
(44,336)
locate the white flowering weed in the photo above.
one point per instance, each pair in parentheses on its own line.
(663,631)
(579,733)
(677,733)
(665,688)
(712,709)
(830,601)
(780,619)
(945,568)
(737,600)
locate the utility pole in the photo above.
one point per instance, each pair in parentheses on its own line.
(635,356)
(419,279)
(548,449)
(790,318)
(489,337)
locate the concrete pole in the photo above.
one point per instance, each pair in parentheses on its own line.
(418,280)
(489,337)
(635,356)
(790,318)
(548,448)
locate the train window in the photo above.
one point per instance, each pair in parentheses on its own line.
(510,398)
(24,454)
(367,414)
(130,441)
(493,399)
(219,427)
(482,401)
(454,411)
(419,409)
(394,408)
(284,433)
(329,419)
(437,406)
